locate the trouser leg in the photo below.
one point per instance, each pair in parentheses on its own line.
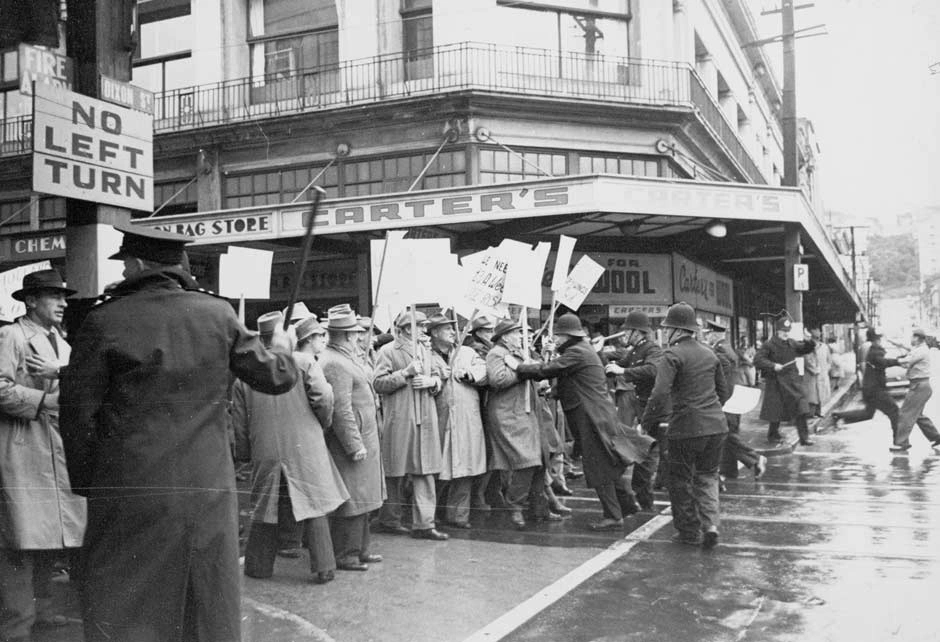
(882,401)
(261,550)
(624,491)
(802,428)
(729,454)
(685,516)
(16,594)
(773,430)
(607,494)
(425,502)
(912,411)
(390,513)
(536,498)
(740,451)
(350,537)
(517,492)
(319,544)
(642,477)
(705,481)
(478,497)
(458,500)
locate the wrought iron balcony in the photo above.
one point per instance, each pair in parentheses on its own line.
(437,70)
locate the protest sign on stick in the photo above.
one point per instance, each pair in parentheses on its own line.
(245,272)
(579,283)
(524,270)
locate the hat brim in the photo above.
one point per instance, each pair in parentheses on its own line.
(497,335)
(20,295)
(441,324)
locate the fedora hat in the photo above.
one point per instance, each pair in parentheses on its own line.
(308,327)
(268,321)
(570,325)
(505,326)
(715,326)
(482,323)
(437,320)
(342,317)
(299,312)
(41,280)
(404,319)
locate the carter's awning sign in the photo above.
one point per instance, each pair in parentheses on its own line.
(91,150)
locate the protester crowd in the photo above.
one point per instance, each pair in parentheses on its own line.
(126,446)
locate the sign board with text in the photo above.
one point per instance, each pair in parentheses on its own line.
(636,279)
(44,67)
(33,247)
(126,94)
(801,277)
(91,150)
(701,287)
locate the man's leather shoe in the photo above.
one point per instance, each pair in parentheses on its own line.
(679,538)
(370,559)
(629,508)
(560,490)
(429,533)
(574,474)
(607,525)
(390,529)
(324,577)
(899,449)
(710,540)
(561,509)
(647,507)
(807,442)
(352,565)
(517,520)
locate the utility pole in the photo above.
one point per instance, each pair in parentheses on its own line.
(792,244)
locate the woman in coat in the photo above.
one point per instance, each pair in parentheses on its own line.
(39,515)
(458,418)
(515,429)
(607,449)
(353,440)
(294,478)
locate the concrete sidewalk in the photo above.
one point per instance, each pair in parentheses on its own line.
(754,430)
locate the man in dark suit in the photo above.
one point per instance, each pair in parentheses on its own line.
(145,428)
(690,376)
(607,448)
(874,386)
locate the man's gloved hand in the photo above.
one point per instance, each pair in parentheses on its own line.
(413,369)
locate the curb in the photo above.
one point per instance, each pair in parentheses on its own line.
(816,426)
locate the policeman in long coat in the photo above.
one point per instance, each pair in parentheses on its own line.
(145,428)
(606,448)
(689,378)
(294,479)
(353,439)
(39,514)
(407,379)
(784,395)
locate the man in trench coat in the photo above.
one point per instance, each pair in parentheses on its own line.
(784,395)
(145,428)
(407,379)
(607,449)
(353,439)
(294,480)
(39,514)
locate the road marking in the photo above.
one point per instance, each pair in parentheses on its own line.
(725,517)
(522,613)
(316,634)
(817,552)
(833,499)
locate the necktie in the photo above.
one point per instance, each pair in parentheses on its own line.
(55,344)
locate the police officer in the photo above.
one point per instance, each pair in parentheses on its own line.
(689,373)
(784,396)
(145,428)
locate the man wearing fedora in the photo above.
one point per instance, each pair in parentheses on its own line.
(39,514)
(353,439)
(146,433)
(407,379)
(784,395)
(689,391)
(480,339)
(607,450)
(294,479)
(459,420)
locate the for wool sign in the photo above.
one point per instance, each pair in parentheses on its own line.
(91,150)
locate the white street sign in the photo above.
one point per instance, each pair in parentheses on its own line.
(801,277)
(92,150)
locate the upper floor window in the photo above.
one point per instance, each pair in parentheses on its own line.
(417,38)
(588,27)
(163,60)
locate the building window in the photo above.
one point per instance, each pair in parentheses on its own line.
(13,212)
(591,28)
(273,188)
(52,209)
(184,203)
(12,102)
(163,64)
(294,48)
(624,165)
(499,166)
(417,38)
(396,174)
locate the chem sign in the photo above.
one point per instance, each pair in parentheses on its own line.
(92,150)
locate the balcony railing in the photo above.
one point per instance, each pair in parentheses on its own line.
(16,135)
(446,68)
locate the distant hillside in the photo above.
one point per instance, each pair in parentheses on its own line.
(894,264)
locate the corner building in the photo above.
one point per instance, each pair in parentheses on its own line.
(637,126)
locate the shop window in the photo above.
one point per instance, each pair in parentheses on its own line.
(294,48)
(185,202)
(499,166)
(417,38)
(396,174)
(273,188)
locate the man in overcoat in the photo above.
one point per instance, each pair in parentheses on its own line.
(145,428)
(479,338)
(353,439)
(638,367)
(39,514)
(690,380)
(784,395)
(874,386)
(458,416)
(607,449)
(513,418)
(294,479)
(407,379)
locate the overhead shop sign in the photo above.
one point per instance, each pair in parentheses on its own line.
(701,287)
(43,67)
(91,150)
(33,247)
(627,279)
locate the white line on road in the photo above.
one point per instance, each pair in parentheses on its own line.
(305,627)
(813,551)
(522,613)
